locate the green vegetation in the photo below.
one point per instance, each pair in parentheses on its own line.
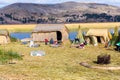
(103,17)
(8,56)
(12,39)
(68,18)
(115,36)
(79,35)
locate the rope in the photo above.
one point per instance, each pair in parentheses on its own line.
(99,67)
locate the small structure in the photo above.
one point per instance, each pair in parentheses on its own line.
(47,31)
(103,59)
(98,35)
(4,37)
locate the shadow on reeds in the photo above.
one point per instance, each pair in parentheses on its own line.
(95,62)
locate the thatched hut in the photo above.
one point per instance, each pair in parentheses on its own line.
(4,37)
(56,31)
(99,35)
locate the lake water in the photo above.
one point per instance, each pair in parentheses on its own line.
(20,35)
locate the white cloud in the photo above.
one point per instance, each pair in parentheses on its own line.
(57,1)
(8,1)
(5,2)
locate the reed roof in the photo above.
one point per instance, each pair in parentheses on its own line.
(4,32)
(48,28)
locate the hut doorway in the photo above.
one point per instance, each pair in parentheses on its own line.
(98,39)
(59,36)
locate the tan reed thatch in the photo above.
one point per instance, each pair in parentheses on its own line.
(4,37)
(104,34)
(48,31)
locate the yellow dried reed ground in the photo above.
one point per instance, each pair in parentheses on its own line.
(92,25)
(19,27)
(71,27)
(59,63)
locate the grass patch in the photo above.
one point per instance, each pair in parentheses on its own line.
(12,39)
(9,56)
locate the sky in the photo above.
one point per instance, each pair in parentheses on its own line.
(7,2)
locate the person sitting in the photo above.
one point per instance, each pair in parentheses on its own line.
(77,41)
(85,43)
(31,43)
(108,44)
(51,41)
(46,41)
(82,45)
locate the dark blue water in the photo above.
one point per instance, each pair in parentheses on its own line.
(20,35)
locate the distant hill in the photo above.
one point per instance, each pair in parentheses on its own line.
(67,12)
